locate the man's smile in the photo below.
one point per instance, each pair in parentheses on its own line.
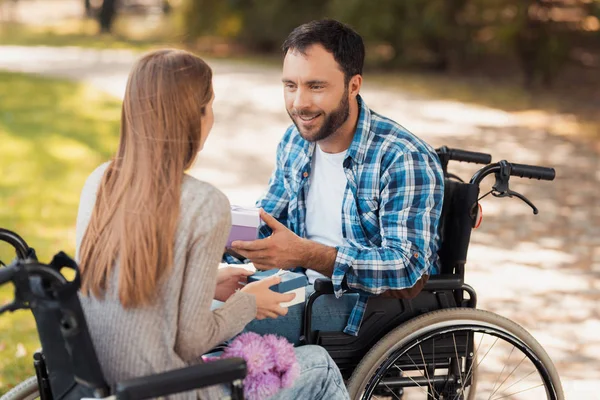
(307,120)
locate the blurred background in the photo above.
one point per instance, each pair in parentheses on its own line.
(519,79)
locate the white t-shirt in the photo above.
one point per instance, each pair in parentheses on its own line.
(324,201)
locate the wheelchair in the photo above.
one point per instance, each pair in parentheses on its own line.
(436,345)
(67,368)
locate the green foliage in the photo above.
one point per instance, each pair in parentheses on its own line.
(208,17)
(444,35)
(266,23)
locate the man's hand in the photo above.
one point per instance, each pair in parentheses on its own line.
(283,249)
(230,279)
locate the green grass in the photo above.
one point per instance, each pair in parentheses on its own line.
(53,133)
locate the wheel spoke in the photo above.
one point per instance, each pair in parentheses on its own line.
(511,372)
(413,381)
(494,390)
(427,373)
(391,391)
(475,363)
(467,353)
(520,391)
(462,381)
(525,377)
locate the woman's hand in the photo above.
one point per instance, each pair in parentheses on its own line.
(229,280)
(267,301)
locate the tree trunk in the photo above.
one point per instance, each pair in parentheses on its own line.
(107,14)
(88,7)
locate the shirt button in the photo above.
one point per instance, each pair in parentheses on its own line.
(416,255)
(305,174)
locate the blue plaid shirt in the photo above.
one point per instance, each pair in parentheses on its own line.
(390,211)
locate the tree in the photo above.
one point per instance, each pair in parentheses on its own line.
(87,4)
(107,14)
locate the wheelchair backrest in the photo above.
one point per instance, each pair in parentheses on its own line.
(457,221)
(71,360)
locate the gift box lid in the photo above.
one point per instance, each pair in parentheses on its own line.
(289,280)
(245,216)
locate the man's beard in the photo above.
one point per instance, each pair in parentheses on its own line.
(332,121)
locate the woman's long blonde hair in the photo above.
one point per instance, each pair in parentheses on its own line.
(137,206)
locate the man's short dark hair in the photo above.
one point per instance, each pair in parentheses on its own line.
(337,38)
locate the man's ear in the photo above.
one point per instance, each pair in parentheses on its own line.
(354,85)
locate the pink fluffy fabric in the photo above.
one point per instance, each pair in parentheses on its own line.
(251,347)
(271,363)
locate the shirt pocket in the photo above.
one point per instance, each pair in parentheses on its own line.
(368,218)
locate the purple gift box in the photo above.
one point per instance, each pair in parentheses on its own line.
(244,224)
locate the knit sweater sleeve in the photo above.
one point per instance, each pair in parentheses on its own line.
(199,328)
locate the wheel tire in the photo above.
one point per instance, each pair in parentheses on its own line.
(437,319)
(26,390)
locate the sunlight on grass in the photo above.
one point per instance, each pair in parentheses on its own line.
(53,133)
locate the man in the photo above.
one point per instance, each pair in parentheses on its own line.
(354,196)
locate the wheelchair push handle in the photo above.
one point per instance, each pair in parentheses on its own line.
(533,172)
(463,155)
(16,241)
(503,170)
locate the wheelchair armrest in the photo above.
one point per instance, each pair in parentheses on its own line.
(443,282)
(435,282)
(323,286)
(182,380)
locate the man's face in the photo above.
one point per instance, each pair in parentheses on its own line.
(315,92)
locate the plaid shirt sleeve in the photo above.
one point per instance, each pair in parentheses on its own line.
(409,211)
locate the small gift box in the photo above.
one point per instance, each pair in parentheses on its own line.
(291,282)
(244,224)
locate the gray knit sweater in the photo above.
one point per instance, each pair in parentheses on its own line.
(179,326)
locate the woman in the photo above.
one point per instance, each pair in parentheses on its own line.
(150,237)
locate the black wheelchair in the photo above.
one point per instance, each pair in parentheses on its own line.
(436,345)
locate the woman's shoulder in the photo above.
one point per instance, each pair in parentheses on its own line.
(92,183)
(197,195)
(99,171)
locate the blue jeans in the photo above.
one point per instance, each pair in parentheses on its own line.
(319,377)
(328,314)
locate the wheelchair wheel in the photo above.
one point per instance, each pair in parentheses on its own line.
(457,354)
(26,390)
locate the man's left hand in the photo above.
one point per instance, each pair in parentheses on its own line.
(283,249)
